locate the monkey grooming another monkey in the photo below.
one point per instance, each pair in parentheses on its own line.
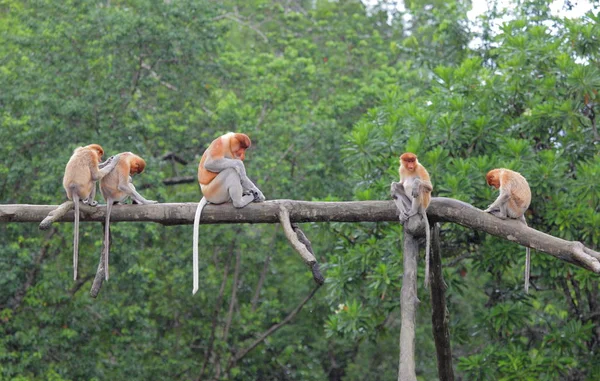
(415,190)
(81,173)
(115,187)
(513,201)
(222,177)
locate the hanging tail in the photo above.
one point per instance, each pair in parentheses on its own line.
(195,270)
(427,248)
(75,235)
(527,268)
(107,236)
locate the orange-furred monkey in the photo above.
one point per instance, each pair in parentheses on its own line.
(222,177)
(81,173)
(513,201)
(417,187)
(116,186)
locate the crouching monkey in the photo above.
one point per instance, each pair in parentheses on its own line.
(414,190)
(81,173)
(513,201)
(116,186)
(222,177)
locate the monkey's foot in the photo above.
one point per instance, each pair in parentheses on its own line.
(497,213)
(317,276)
(90,203)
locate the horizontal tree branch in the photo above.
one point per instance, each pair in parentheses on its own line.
(441,209)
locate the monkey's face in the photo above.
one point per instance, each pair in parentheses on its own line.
(493,179)
(137,166)
(99,151)
(409,161)
(238,149)
(410,164)
(240,154)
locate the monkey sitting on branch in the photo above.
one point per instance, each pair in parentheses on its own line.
(116,187)
(412,196)
(81,173)
(222,178)
(513,201)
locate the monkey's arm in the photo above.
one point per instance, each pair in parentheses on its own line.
(500,203)
(109,165)
(401,199)
(105,163)
(218,165)
(420,186)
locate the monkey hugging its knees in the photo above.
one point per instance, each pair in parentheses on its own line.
(222,177)
(513,201)
(414,190)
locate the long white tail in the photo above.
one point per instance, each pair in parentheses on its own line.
(107,236)
(75,235)
(527,268)
(201,205)
(427,248)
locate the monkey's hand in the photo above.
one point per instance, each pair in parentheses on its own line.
(416,190)
(403,217)
(109,160)
(258,195)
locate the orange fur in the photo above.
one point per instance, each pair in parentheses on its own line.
(79,181)
(129,164)
(514,183)
(231,145)
(81,170)
(410,168)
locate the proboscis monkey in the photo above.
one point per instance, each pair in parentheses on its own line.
(417,187)
(222,178)
(116,186)
(81,173)
(513,201)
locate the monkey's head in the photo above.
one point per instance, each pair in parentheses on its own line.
(238,144)
(409,161)
(97,149)
(493,178)
(136,165)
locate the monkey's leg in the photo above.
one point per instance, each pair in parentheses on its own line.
(90,200)
(129,189)
(401,200)
(499,204)
(236,192)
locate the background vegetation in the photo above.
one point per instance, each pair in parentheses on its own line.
(330,93)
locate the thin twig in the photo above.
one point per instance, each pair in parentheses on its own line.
(241,354)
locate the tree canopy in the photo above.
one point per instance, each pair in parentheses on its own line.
(330,93)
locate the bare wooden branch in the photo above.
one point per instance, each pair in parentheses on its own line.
(303,248)
(441,209)
(439,312)
(409,302)
(56,214)
(171,156)
(99,278)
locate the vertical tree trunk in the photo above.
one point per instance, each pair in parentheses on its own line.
(439,312)
(408,305)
